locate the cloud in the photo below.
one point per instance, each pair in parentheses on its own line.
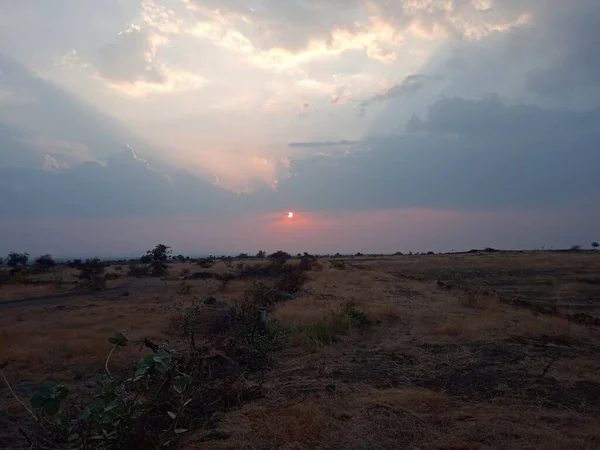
(132,61)
(410,85)
(315,144)
(572,61)
(471,154)
(125,186)
(129,59)
(297,30)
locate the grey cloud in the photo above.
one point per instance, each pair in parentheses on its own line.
(574,62)
(54,122)
(470,155)
(292,24)
(410,85)
(288,24)
(550,62)
(128,59)
(474,154)
(122,187)
(315,144)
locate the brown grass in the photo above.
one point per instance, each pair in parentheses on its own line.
(436,369)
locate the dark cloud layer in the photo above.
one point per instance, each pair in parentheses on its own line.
(479,154)
(468,155)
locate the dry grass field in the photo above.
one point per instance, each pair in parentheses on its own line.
(464,351)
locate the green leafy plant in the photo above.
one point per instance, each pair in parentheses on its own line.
(49,397)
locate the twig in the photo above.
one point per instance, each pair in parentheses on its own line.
(15,396)
(547,367)
(107,358)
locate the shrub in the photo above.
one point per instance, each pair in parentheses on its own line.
(328,330)
(17,259)
(225,279)
(279,257)
(306,263)
(45,262)
(291,279)
(205,263)
(138,270)
(338,265)
(91,273)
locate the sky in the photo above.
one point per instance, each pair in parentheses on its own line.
(407,125)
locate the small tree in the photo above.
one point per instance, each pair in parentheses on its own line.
(280,254)
(595,245)
(45,262)
(157,257)
(90,272)
(159,253)
(261,254)
(17,259)
(1,261)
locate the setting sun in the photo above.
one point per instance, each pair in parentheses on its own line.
(290,215)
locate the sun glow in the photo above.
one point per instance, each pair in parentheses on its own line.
(290,215)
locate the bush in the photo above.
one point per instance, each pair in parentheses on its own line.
(306,263)
(291,279)
(138,270)
(45,262)
(205,263)
(91,273)
(225,279)
(338,265)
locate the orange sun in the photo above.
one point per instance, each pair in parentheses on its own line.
(290,215)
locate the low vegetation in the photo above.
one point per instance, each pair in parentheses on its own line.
(483,349)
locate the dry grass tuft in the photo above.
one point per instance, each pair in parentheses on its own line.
(420,401)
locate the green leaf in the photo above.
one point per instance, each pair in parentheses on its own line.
(172,415)
(47,388)
(73,437)
(110,406)
(119,339)
(37,401)
(182,383)
(85,414)
(61,392)
(51,406)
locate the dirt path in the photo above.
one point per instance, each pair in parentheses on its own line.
(123,290)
